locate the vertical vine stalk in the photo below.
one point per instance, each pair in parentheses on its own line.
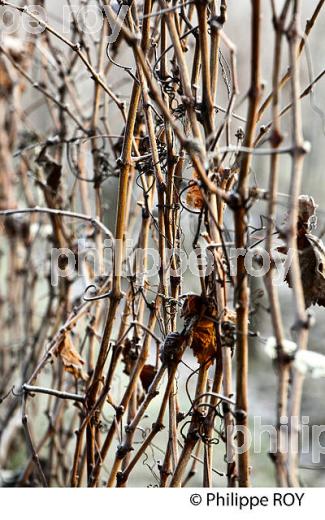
(301,325)
(242,286)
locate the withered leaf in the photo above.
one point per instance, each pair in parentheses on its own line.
(194,198)
(312,268)
(172,348)
(204,341)
(54,172)
(192,306)
(195,305)
(306,216)
(129,355)
(147,375)
(71,359)
(200,317)
(198,313)
(311,254)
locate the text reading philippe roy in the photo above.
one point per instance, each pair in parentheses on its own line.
(276,499)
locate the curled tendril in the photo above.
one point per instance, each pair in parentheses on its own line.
(18,393)
(95,298)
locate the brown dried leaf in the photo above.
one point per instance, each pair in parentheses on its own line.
(192,306)
(195,305)
(129,356)
(147,375)
(204,341)
(311,254)
(312,267)
(194,198)
(198,313)
(54,172)
(71,359)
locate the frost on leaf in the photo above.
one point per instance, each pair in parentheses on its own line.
(71,359)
